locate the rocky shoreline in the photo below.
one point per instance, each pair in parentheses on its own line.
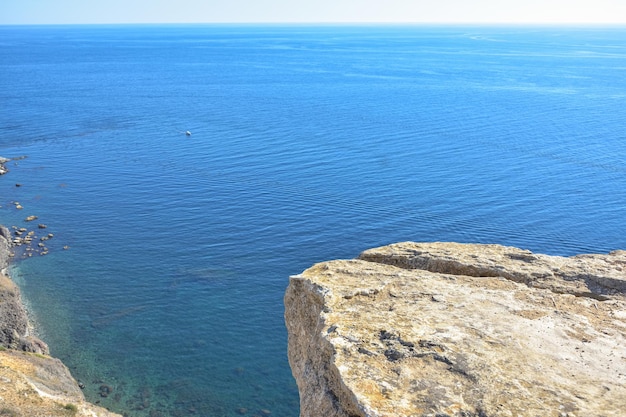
(15,330)
(464,330)
(32,383)
(26,240)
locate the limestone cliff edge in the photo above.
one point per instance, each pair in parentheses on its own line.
(448,329)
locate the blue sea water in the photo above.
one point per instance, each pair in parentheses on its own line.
(308,143)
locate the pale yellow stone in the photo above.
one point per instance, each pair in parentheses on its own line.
(459,330)
(40,386)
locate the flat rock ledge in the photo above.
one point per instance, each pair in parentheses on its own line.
(32,384)
(448,329)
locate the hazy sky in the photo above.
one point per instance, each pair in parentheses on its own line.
(420,11)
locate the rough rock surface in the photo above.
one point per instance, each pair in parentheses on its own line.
(32,384)
(446,329)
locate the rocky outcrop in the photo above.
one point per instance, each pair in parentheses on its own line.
(446,329)
(3,168)
(4,161)
(14,326)
(32,384)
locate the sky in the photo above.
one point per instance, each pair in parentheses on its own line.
(312,11)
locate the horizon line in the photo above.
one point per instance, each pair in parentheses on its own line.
(329,23)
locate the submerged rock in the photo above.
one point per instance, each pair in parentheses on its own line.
(459,330)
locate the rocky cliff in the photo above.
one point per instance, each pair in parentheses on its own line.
(445,329)
(32,384)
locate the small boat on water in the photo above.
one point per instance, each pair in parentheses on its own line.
(188,133)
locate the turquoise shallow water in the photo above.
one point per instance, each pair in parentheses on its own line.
(308,144)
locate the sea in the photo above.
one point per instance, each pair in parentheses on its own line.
(167,254)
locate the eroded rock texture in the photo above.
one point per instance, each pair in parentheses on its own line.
(446,329)
(34,385)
